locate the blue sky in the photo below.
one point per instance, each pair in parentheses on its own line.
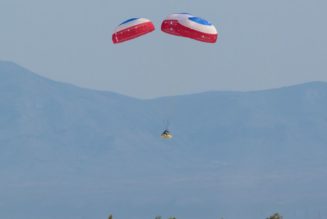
(262,44)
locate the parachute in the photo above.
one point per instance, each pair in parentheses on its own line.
(132,28)
(187,25)
(180,24)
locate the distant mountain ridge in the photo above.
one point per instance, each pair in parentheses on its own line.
(70,152)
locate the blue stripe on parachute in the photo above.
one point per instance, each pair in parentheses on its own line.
(129,20)
(200,21)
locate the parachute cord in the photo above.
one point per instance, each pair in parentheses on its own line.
(167,124)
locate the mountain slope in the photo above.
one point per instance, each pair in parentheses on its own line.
(69,152)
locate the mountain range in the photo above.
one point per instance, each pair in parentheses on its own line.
(70,152)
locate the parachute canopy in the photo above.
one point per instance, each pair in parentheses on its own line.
(132,28)
(187,25)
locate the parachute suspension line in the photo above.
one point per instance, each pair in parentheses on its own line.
(167,124)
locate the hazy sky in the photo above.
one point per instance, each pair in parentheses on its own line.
(262,44)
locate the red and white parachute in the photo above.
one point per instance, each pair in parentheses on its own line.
(132,28)
(187,25)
